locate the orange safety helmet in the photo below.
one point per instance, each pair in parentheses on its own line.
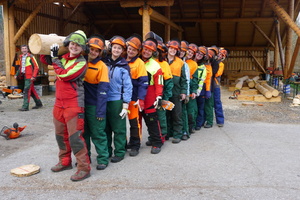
(212,51)
(162,46)
(202,49)
(184,45)
(223,51)
(96,41)
(118,40)
(135,41)
(150,43)
(193,47)
(174,43)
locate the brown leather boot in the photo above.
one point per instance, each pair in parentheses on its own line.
(59,167)
(80,175)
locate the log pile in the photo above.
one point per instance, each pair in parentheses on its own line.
(255,90)
(2,82)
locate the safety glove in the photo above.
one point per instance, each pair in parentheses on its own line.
(186,100)
(124,111)
(54,50)
(100,118)
(207,94)
(140,104)
(167,105)
(198,92)
(157,102)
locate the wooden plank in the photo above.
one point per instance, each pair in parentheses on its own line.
(249,92)
(245,97)
(262,98)
(139,3)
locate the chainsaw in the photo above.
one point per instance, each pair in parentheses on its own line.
(12,133)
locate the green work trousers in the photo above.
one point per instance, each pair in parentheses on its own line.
(163,121)
(192,110)
(94,130)
(209,109)
(185,122)
(29,91)
(117,126)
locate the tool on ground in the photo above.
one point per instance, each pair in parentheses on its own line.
(235,94)
(12,133)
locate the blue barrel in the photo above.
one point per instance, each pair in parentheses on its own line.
(287,89)
(275,81)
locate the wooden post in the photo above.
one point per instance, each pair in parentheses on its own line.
(9,46)
(289,40)
(27,22)
(294,57)
(279,45)
(144,11)
(276,54)
(167,26)
(262,68)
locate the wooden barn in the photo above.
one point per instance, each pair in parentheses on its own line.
(251,29)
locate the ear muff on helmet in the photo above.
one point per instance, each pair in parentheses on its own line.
(116,40)
(184,45)
(151,44)
(96,41)
(135,41)
(78,37)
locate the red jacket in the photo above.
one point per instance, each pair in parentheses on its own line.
(31,67)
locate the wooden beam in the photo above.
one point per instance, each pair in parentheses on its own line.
(262,68)
(294,57)
(289,40)
(159,17)
(27,22)
(276,53)
(167,26)
(280,46)
(72,14)
(145,12)
(139,3)
(284,16)
(246,19)
(263,33)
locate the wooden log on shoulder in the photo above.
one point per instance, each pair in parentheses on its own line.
(263,90)
(240,82)
(274,92)
(40,43)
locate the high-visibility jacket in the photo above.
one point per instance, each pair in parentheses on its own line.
(208,77)
(179,76)
(168,82)
(70,72)
(201,75)
(31,66)
(139,78)
(193,75)
(96,83)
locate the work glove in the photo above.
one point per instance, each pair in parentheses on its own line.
(100,118)
(124,111)
(198,92)
(182,97)
(140,104)
(54,50)
(186,100)
(167,105)
(207,94)
(157,102)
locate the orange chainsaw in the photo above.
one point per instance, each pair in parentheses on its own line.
(12,133)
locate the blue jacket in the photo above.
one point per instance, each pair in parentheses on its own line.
(120,86)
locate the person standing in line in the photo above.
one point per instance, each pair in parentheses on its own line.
(96,83)
(194,84)
(68,111)
(118,97)
(154,95)
(179,91)
(183,53)
(28,72)
(219,114)
(201,59)
(139,78)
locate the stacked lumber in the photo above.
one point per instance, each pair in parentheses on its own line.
(2,82)
(51,75)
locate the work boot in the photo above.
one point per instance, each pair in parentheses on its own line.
(59,167)
(207,126)
(134,152)
(155,150)
(80,175)
(148,143)
(116,159)
(176,140)
(192,130)
(23,109)
(220,125)
(184,137)
(37,106)
(197,128)
(101,166)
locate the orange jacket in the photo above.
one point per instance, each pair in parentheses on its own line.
(208,77)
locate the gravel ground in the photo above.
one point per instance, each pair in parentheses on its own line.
(233,162)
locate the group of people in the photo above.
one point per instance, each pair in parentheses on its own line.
(173,86)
